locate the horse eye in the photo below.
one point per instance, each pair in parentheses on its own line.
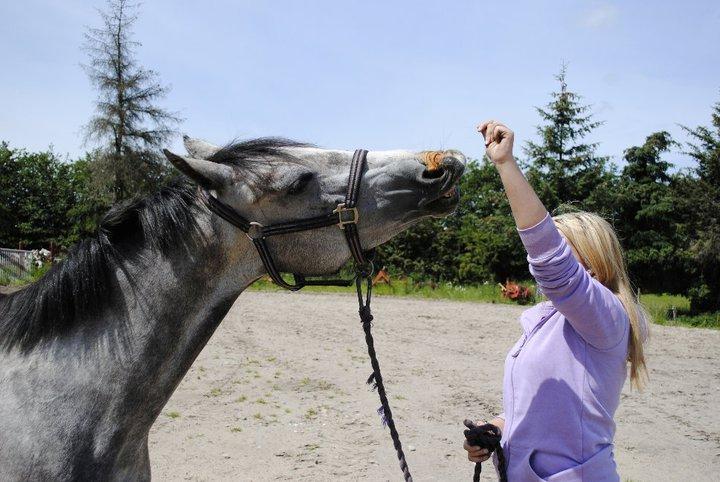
(300,183)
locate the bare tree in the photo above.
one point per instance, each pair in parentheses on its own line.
(128,125)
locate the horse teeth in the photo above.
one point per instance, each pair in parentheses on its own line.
(450,193)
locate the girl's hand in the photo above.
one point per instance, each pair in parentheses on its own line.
(476,454)
(498,141)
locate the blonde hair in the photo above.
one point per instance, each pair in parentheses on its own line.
(596,244)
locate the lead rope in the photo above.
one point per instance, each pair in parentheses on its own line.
(376,378)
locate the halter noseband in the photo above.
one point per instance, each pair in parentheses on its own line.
(345,216)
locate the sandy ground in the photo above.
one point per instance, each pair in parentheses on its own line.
(279,394)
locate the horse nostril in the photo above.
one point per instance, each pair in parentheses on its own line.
(433,161)
(454,165)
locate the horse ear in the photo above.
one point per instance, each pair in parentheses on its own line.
(208,174)
(199,149)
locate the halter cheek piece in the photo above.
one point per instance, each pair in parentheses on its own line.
(345,216)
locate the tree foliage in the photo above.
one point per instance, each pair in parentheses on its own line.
(562,166)
(128,124)
(699,195)
(45,201)
(652,233)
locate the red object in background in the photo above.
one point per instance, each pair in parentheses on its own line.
(516,292)
(382,276)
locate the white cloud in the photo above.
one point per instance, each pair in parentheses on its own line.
(600,15)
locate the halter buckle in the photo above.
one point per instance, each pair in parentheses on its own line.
(255,231)
(340,210)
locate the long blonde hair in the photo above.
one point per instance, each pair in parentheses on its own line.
(597,245)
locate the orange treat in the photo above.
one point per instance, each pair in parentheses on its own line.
(433,159)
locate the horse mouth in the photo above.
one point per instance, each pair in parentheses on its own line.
(443,170)
(445,203)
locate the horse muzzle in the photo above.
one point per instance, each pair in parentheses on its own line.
(443,170)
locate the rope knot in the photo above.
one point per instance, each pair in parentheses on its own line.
(365,314)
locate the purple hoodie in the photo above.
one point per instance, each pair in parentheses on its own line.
(563,377)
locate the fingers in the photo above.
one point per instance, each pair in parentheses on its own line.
(501,132)
(478,452)
(475,453)
(489,132)
(485,129)
(493,131)
(481,455)
(478,459)
(482,126)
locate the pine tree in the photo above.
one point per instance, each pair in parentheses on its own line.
(701,195)
(563,168)
(128,124)
(653,235)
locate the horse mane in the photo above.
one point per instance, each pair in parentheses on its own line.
(69,292)
(241,153)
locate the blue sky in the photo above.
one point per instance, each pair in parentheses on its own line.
(373,74)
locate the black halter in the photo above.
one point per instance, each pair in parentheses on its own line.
(346,216)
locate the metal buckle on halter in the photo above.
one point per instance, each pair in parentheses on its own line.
(342,220)
(255,231)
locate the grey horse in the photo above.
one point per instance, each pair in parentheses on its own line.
(91,353)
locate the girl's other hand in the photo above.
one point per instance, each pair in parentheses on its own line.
(478,454)
(498,141)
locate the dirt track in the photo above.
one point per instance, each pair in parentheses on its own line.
(279,394)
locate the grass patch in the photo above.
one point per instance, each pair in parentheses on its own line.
(215,392)
(173,414)
(673,310)
(324,385)
(311,414)
(664,309)
(236,429)
(488,293)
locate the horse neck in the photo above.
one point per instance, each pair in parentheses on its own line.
(173,308)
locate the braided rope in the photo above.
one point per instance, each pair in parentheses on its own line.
(366,317)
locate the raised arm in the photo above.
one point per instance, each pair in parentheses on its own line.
(527,209)
(592,309)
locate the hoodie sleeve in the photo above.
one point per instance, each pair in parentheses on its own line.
(594,311)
